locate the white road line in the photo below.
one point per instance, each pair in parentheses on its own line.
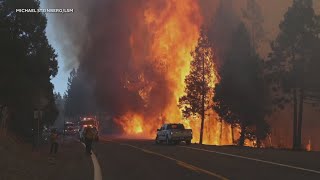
(96,167)
(181,163)
(253,159)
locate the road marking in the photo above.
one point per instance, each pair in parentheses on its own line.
(96,167)
(253,159)
(181,163)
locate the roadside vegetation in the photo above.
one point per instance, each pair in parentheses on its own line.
(27,64)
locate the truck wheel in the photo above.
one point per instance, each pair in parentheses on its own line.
(188,142)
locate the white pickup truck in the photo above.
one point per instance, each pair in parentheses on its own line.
(173,133)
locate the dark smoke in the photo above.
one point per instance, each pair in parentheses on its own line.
(97,36)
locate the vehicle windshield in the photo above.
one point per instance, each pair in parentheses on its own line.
(175,126)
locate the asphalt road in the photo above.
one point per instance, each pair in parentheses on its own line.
(121,159)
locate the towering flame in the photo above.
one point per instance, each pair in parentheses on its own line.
(169,33)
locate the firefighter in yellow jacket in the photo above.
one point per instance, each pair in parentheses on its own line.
(54,141)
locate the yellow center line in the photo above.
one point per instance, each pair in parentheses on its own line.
(180,163)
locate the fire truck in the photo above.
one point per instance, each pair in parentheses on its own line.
(89,121)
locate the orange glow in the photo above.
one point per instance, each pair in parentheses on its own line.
(133,124)
(308,147)
(172,34)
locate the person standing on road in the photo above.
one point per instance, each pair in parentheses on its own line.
(54,141)
(89,135)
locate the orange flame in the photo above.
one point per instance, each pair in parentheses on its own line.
(173,32)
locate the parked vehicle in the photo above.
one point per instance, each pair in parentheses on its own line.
(69,128)
(173,133)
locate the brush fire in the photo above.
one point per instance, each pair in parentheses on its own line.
(172,34)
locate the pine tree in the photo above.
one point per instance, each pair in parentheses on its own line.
(28,62)
(79,99)
(199,82)
(293,61)
(240,96)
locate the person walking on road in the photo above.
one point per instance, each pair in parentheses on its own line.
(89,134)
(54,141)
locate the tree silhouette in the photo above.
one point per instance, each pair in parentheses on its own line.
(241,96)
(196,100)
(294,60)
(28,62)
(79,100)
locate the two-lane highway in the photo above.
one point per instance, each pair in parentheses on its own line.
(143,160)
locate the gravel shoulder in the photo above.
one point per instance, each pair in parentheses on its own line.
(18,161)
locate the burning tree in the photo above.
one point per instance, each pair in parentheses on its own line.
(241,96)
(199,82)
(294,62)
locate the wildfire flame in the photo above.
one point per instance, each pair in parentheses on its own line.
(173,33)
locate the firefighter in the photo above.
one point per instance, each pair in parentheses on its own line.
(54,141)
(89,135)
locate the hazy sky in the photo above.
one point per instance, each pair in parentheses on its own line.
(60,81)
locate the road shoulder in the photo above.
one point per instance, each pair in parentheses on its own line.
(19,162)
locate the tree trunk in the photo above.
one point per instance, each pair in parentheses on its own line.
(201,130)
(202,103)
(5,120)
(242,135)
(221,132)
(232,134)
(4,117)
(295,124)
(300,115)
(1,120)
